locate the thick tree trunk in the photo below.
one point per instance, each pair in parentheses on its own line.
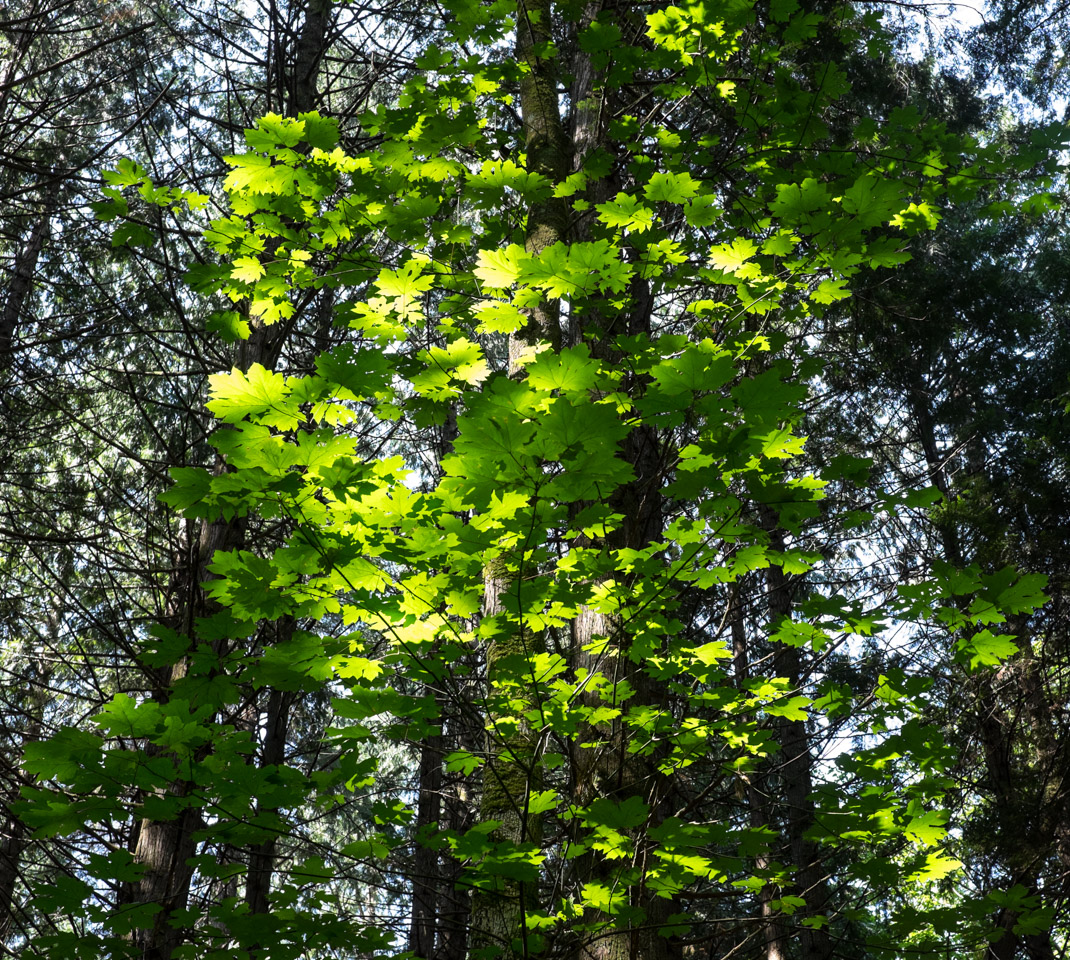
(13,840)
(307,56)
(12,845)
(21,283)
(262,856)
(547,151)
(426,880)
(611,769)
(795,764)
(455,903)
(1029,787)
(510,774)
(164,849)
(603,766)
(773,935)
(432,914)
(636,774)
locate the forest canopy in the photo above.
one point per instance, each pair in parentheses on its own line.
(531,478)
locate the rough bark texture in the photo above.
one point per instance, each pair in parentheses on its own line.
(14,839)
(12,844)
(276,723)
(510,774)
(164,847)
(547,153)
(756,790)
(21,284)
(610,769)
(426,880)
(795,768)
(438,911)
(455,903)
(307,56)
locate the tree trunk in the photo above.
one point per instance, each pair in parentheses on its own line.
(13,841)
(773,935)
(262,856)
(796,764)
(455,903)
(22,282)
(510,774)
(547,150)
(612,770)
(428,934)
(426,880)
(164,849)
(1025,771)
(12,844)
(510,770)
(307,56)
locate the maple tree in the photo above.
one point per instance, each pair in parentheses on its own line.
(544,519)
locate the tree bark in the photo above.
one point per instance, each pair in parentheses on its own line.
(612,769)
(262,856)
(547,151)
(307,56)
(12,845)
(13,841)
(431,934)
(455,903)
(796,764)
(164,849)
(510,774)
(426,880)
(773,935)
(22,282)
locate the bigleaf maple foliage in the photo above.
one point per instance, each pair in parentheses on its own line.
(545,509)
